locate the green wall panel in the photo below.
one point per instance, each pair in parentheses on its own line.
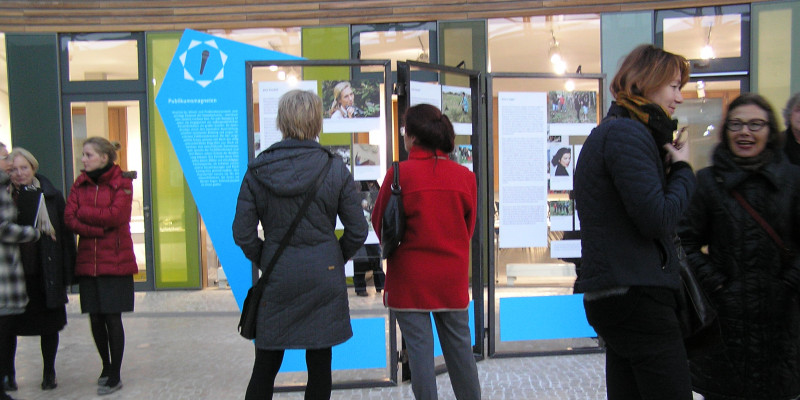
(617,43)
(175,234)
(34,101)
(775,51)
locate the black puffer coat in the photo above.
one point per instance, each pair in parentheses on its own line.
(56,256)
(305,303)
(756,294)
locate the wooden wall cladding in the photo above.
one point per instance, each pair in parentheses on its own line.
(166,15)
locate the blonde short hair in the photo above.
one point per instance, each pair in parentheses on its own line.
(300,115)
(20,152)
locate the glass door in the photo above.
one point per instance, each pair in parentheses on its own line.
(118,120)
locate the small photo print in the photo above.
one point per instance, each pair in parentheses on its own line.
(462,154)
(341,151)
(560,208)
(366,154)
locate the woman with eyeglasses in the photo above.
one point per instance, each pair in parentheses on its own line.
(751,281)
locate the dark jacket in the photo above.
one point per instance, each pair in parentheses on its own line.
(754,292)
(791,147)
(57,257)
(304,304)
(101,213)
(628,207)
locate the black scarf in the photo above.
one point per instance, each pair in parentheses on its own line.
(653,116)
(96,174)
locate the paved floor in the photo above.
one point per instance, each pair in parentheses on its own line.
(183,345)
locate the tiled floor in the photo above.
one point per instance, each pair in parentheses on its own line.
(184,345)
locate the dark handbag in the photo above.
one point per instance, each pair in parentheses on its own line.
(249,317)
(393,224)
(696,315)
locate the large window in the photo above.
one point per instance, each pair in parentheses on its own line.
(559,44)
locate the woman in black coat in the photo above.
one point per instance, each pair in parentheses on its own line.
(304,304)
(754,289)
(48,263)
(632,184)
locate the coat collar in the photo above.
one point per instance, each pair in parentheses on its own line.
(421,153)
(729,175)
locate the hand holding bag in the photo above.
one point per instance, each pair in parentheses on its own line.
(393,224)
(249,317)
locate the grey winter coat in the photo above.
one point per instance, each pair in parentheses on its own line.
(13,295)
(304,305)
(754,291)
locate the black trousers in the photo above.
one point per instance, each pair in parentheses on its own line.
(645,355)
(360,268)
(268,362)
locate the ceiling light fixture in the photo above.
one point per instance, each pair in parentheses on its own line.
(559,65)
(707,52)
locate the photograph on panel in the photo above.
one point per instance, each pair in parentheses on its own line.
(351,105)
(457,105)
(367,162)
(571,107)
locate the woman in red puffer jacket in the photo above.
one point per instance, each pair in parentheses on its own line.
(99,211)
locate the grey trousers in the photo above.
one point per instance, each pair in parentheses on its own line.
(454,336)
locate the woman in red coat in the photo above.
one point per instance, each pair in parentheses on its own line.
(429,272)
(99,211)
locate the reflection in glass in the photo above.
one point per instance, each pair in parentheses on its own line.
(704,37)
(103,60)
(527,44)
(116,121)
(701,114)
(394,45)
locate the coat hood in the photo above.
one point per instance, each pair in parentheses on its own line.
(289,168)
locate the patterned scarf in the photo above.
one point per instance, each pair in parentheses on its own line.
(653,116)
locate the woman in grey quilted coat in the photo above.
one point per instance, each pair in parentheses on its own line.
(304,304)
(13,297)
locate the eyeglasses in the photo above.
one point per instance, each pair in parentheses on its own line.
(754,125)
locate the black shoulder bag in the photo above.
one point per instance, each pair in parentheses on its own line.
(247,322)
(393,223)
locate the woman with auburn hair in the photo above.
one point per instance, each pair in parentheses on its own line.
(99,211)
(304,304)
(632,184)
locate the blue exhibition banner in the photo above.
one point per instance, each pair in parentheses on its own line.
(543,318)
(203,105)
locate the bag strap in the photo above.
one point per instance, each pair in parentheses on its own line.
(262,281)
(764,224)
(396,179)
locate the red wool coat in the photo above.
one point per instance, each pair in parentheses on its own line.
(430,269)
(100,214)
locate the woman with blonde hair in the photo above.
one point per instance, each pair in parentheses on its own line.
(99,211)
(304,304)
(48,262)
(343,105)
(632,184)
